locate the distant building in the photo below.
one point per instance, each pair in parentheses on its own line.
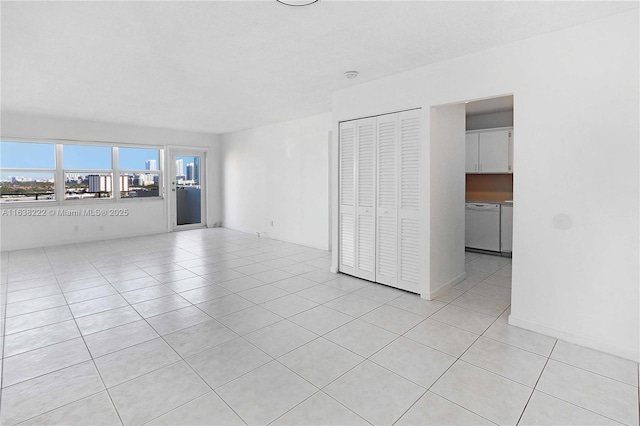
(190,171)
(99,183)
(144,179)
(74,178)
(179,168)
(196,170)
(124,183)
(150,165)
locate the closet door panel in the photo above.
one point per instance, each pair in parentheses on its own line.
(347,223)
(387,200)
(380,201)
(409,254)
(366,246)
(365,198)
(409,201)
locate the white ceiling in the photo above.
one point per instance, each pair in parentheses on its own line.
(221,66)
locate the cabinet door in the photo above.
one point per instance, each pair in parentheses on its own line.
(471,159)
(409,253)
(494,151)
(506,229)
(387,201)
(365,236)
(347,216)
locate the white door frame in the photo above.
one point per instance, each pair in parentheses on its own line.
(172,215)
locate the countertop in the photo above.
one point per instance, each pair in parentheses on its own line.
(503,203)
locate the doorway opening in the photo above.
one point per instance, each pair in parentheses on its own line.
(471,150)
(489,173)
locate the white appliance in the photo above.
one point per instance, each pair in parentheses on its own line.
(482,226)
(506,229)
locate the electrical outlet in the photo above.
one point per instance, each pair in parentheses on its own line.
(101,228)
(75,228)
(272,223)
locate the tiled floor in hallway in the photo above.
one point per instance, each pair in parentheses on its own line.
(219,327)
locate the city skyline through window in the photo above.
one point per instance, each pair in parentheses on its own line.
(28,171)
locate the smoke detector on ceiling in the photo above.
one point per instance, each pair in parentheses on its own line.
(351,74)
(297,2)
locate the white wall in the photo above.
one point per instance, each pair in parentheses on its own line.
(279,173)
(447,176)
(145,216)
(576,153)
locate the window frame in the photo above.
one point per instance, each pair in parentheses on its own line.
(159,172)
(34,170)
(59,173)
(85,172)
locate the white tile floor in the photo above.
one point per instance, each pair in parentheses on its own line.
(219,327)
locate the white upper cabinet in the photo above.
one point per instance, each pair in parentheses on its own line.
(471,160)
(489,151)
(493,151)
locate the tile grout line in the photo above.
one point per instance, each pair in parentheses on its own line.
(119,307)
(364,359)
(60,369)
(297,374)
(459,358)
(391,342)
(578,406)
(4,325)
(167,343)
(92,361)
(467,291)
(536,384)
(321,389)
(188,365)
(589,371)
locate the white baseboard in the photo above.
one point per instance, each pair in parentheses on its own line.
(430,295)
(277,238)
(80,239)
(627,353)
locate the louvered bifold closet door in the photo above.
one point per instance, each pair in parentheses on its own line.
(347,152)
(387,201)
(409,201)
(365,238)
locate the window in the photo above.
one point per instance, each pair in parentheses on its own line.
(45,171)
(88,172)
(139,173)
(27,171)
